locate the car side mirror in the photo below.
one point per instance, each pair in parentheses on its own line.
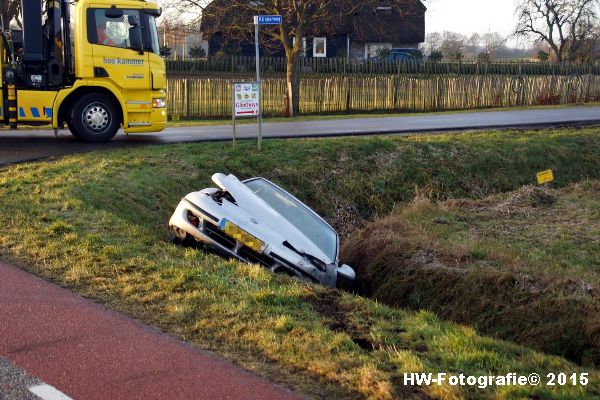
(346,272)
(135,39)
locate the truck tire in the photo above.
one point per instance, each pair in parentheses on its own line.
(94,119)
(72,129)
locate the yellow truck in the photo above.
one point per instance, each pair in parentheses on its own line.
(95,66)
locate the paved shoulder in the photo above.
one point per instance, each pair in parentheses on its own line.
(89,352)
(397,125)
(27,145)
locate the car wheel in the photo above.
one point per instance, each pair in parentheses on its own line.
(94,119)
(346,284)
(182,238)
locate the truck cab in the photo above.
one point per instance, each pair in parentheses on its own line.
(94,67)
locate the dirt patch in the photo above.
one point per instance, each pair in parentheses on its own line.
(329,305)
(527,196)
(403,264)
(346,218)
(526,200)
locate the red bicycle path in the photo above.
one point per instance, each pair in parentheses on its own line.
(89,352)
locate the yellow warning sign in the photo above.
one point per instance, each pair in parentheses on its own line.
(545,177)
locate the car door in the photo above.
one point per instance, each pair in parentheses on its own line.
(109,33)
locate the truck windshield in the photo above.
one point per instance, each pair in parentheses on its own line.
(151,40)
(115,31)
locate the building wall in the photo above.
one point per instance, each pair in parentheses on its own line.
(180,45)
(336,46)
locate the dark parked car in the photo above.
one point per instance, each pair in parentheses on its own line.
(402,55)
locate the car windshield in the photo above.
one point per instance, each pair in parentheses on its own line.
(298,215)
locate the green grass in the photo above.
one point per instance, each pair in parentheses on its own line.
(96,223)
(523,266)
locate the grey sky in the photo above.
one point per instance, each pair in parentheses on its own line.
(465,16)
(468,16)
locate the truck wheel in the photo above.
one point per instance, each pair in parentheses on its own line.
(72,129)
(94,119)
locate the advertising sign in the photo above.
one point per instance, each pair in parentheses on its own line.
(246,99)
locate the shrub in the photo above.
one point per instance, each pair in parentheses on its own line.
(165,51)
(548,99)
(543,56)
(436,56)
(197,51)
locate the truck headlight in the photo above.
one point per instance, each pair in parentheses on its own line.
(159,103)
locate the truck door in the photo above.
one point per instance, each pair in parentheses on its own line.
(109,34)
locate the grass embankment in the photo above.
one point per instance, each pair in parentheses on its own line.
(97,223)
(524,266)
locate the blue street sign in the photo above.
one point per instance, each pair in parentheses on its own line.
(268,20)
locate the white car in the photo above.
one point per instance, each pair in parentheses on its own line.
(256,221)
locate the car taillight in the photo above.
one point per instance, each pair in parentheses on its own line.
(193,219)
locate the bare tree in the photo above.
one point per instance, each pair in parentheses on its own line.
(433,41)
(474,40)
(493,42)
(173,31)
(300,18)
(453,45)
(584,47)
(562,24)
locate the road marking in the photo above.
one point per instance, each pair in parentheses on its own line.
(48,392)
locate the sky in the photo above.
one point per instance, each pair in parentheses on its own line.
(468,16)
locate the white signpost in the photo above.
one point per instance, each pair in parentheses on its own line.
(246,102)
(250,103)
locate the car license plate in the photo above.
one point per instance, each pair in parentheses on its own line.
(241,235)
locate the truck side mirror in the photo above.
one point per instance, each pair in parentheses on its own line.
(113,12)
(133,20)
(135,39)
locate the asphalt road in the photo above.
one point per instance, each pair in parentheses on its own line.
(26,145)
(15,383)
(50,335)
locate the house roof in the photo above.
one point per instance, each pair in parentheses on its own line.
(369,21)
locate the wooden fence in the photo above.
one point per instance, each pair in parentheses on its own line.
(212,98)
(341,66)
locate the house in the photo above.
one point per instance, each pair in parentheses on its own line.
(180,37)
(360,34)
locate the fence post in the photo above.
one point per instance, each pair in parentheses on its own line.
(187,97)
(348,93)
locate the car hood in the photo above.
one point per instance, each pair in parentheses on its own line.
(257,217)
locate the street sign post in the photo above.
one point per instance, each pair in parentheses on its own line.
(268,20)
(246,102)
(262,20)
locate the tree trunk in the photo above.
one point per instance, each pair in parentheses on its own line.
(293,85)
(557,52)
